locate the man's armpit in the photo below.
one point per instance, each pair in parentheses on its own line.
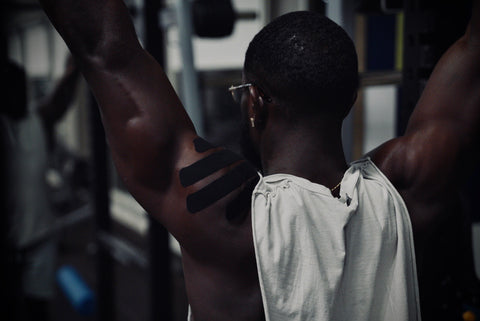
(239,180)
(206,166)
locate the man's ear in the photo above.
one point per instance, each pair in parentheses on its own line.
(258,105)
(257,99)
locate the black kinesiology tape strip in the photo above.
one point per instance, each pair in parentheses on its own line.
(220,187)
(240,205)
(207,166)
(201,145)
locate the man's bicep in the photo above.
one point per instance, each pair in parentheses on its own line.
(452,94)
(444,125)
(444,129)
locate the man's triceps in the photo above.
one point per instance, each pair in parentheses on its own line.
(238,177)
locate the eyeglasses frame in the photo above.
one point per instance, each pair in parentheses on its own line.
(233,88)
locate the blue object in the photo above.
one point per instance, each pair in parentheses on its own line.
(81,297)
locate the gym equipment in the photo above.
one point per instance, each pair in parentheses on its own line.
(208,18)
(76,216)
(204,18)
(213,18)
(76,290)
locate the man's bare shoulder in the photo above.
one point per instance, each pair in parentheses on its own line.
(390,158)
(428,159)
(423,172)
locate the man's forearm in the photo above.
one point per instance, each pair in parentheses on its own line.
(94,30)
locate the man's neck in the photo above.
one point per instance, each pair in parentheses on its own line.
(305,152)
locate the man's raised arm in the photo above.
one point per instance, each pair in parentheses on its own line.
(448,112)
(441,142)
(191,187)
(144,120)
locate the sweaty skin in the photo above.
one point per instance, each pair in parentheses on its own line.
(152,140)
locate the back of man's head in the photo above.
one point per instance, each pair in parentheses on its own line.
(306,63)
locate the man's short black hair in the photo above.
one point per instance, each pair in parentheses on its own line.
(304,60)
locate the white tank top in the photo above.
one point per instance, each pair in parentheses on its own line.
(326,258)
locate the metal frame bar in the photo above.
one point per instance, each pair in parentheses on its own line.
(160,260)
(103,221)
